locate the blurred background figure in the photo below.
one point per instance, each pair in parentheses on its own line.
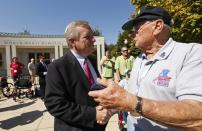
(52,59)
(123,64)
(124,83)
(131,57)
(32,70)
(41,71)
(16,68)
(107,65)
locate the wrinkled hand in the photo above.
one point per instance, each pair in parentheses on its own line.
(102,115)
(113,96)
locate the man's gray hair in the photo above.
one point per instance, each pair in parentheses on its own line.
(167,27)
(71,29)
(167,30)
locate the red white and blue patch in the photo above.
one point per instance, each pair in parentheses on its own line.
(163,79)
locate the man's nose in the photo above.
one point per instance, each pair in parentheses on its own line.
(133,34)
(93,40)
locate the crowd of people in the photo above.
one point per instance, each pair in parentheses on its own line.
(116,68)
(36,70)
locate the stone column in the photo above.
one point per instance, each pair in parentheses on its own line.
(102,47)
(98,57)
(8,59)
(56,51)
(100,51)
(13,49)
(61,50)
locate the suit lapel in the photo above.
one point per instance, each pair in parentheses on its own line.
(78,70)
(44,67)
(93,62)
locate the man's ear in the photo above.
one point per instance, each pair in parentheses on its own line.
(71,40)
(158,27)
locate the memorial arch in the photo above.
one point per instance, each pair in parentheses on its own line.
(26,46)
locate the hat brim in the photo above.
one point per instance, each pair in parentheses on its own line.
(128,25)
(131,23)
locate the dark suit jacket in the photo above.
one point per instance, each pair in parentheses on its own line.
(66,96)
(40,69)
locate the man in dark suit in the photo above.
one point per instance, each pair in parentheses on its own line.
(68,84)
(41,71)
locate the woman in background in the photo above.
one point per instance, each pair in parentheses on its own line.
(16,68)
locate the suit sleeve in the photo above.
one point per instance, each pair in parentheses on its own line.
(61,105)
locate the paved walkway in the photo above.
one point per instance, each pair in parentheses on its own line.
(31,115)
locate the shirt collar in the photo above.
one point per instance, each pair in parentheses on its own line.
(163,53)
(78,57)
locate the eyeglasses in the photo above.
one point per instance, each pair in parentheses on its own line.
(89,37)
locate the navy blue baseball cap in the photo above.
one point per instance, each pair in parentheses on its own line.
(149,13)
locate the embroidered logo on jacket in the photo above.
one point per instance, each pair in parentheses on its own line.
(163,79)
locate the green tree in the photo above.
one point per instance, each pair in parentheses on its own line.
(93,56)
(125,39)
(113,49)
(187,16)
(97,32)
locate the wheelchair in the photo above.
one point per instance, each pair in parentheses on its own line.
(6,87)
(23,87)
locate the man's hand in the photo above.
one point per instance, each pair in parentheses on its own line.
(102,115)
(114,96)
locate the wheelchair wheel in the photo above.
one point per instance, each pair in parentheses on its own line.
(8,90)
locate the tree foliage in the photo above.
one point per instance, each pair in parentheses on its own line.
(124,39)
(187,16)
(93,56)
(97,32)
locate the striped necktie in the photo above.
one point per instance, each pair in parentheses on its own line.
(88,72)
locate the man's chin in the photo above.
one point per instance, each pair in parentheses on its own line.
(138,45)
(90,52)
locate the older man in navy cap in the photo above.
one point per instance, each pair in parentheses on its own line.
(165,88)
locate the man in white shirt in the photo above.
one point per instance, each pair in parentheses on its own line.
(165,87)
(32,70)
(69,79)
